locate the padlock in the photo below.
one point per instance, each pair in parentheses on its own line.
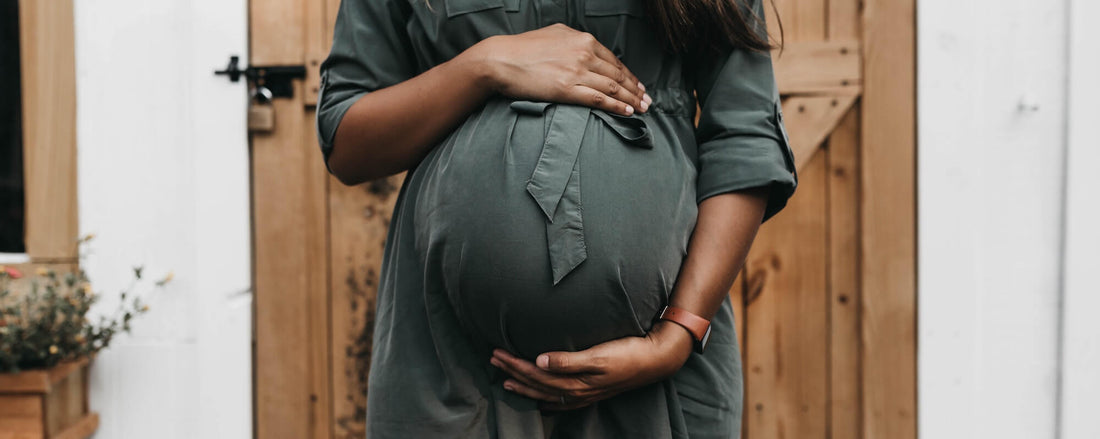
(261,113)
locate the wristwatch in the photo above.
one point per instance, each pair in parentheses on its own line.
(697,326)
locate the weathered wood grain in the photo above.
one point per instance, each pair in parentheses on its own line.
(819,67)
(787,345)
(359,218)
(810,120)
(49,129)
(888,219)
(845,345)
(292,290)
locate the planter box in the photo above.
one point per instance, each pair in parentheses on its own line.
(47,404)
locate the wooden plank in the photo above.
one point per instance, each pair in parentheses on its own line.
(81,429)
(290,247)
(21,417)
(817,67)
(359,219)
(786,373)
(49,128)
(808,20)
(844,290)
(809,120)
(29,381)
(319,303)
(291,277)
(844,19)
(317,44)
(779,8)
(65,402)
(803,20)
(888,262)
(332,8)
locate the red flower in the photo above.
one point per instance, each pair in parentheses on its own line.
(15,274)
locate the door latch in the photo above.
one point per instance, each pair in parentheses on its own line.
(277,79)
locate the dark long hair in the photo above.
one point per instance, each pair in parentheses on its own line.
(710,25)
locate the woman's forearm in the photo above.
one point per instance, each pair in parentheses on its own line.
(724,230)
(391,129)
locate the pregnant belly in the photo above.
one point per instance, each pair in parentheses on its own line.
(555,227)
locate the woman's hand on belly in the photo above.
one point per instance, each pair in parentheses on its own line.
(571,380)
(726,226)
(560,64)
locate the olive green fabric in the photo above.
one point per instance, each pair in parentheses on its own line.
(537,226)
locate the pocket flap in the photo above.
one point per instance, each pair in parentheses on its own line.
(614,7)
(459,7)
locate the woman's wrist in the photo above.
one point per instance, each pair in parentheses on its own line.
(477,63)
(674,343)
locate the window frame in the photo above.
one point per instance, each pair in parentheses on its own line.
(48,81)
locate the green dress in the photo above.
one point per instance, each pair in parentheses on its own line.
(538,226)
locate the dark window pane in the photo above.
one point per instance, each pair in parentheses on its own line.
(11,132)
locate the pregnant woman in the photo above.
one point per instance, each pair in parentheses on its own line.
(559,257)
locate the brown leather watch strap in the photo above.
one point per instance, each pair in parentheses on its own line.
(697,326)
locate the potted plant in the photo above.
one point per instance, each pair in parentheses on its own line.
(47,341)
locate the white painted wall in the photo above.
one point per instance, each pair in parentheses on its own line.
(1081,332)
(992,130)
(163,181)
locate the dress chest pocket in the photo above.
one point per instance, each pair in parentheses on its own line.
(460,7)
(600,8)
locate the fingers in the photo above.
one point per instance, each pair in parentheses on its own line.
(588,96)
(532,375)
(616,83)
(569,362)
(527,382)
(627,89)
(605,54)
(531,392)
(558,390)
(548,401)
(611,88)
(620,74)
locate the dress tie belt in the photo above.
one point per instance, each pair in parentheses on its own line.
(556,182)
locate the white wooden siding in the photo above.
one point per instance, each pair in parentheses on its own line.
(163,181)
(992,130)
(1081,332)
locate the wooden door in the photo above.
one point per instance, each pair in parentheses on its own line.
(314,295)
(826,305)
(827,298)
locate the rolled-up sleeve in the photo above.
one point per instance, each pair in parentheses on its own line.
(742,142)
(370,51)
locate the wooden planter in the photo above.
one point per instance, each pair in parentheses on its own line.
(47,404)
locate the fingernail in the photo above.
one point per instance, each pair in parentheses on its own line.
(644,105)
(646,98)
(629,110)
(640,86)
(494,362)
(543,361)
